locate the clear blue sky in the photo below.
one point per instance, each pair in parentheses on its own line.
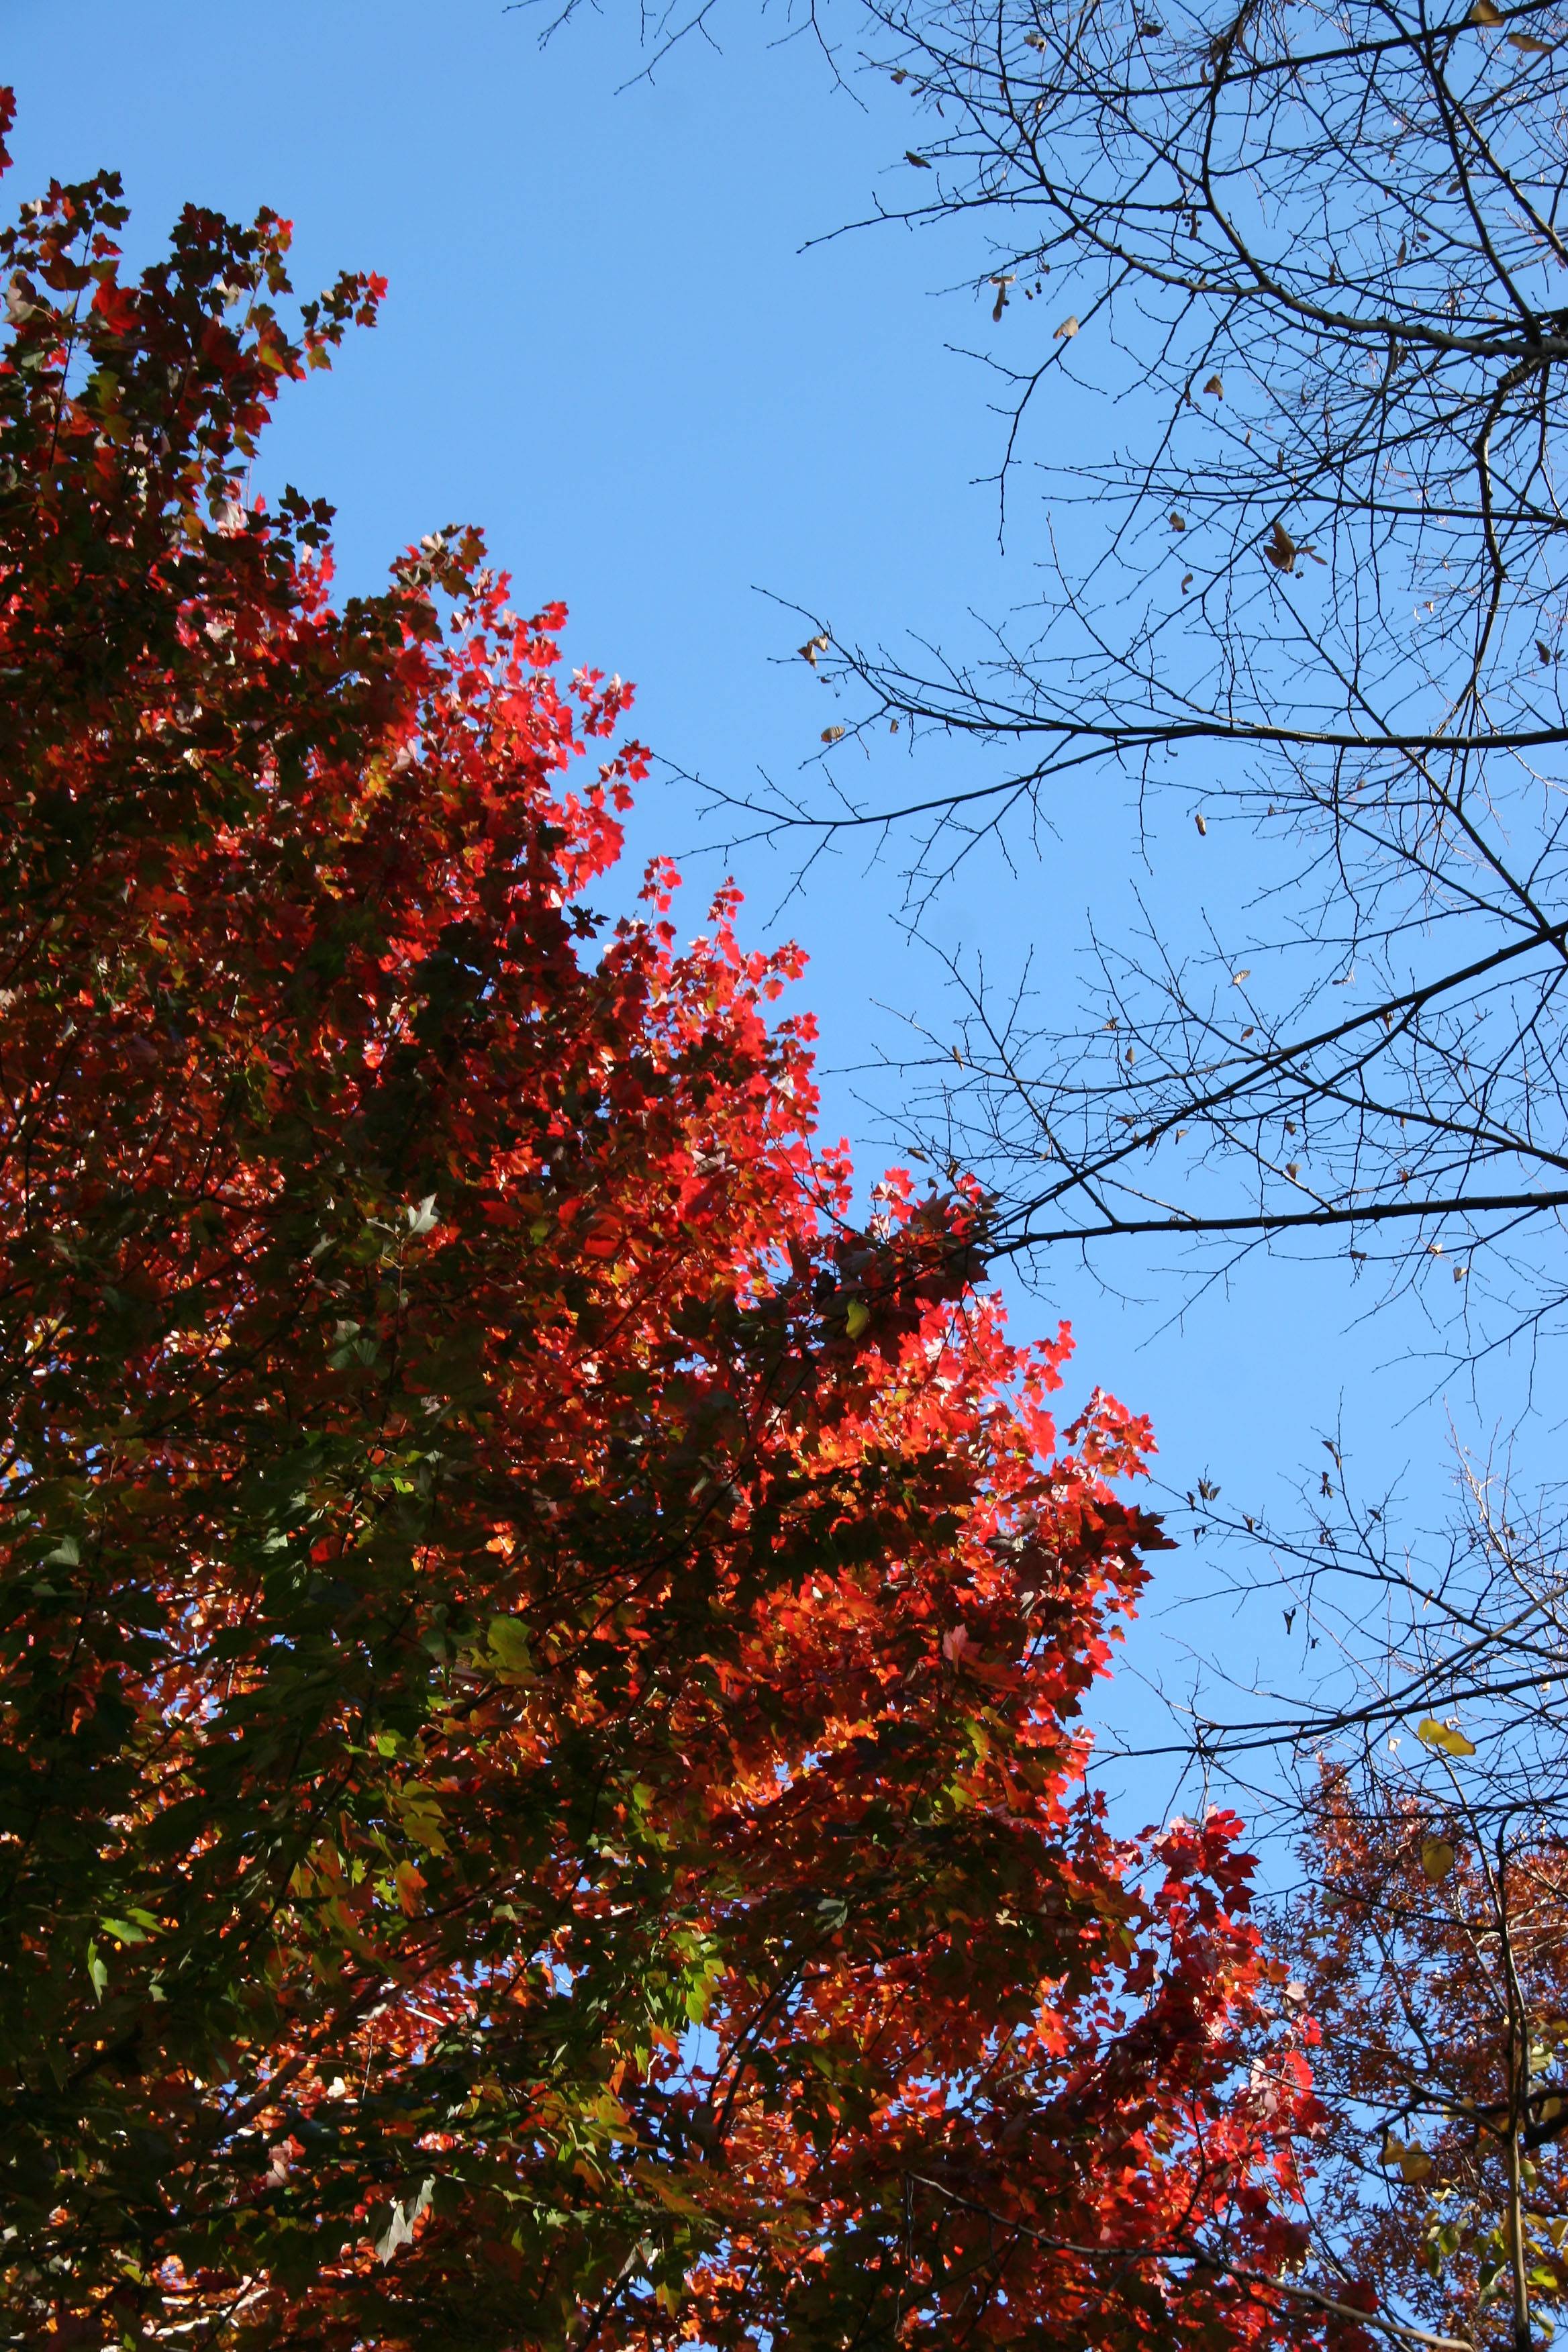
(605,343)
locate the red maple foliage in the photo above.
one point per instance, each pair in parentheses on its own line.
(541,1797)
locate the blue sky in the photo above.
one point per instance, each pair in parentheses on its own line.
(605,343)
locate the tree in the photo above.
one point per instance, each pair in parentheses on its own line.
(1414,1753)
(541,1794)
(1432,1952)
(1312,260)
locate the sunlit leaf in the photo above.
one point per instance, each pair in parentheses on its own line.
(1443,1737)
(1437,1858)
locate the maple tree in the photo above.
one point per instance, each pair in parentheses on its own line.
(542,1797)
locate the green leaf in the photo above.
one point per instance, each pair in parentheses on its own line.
(509,1645)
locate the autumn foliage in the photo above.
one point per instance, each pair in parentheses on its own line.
(1430,1936)
(541,1794)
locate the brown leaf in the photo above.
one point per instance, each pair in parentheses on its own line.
(1281,550)
(831,734)
(1068,327)
(1178,522)
(1202,824)
(1530,45)
(1483,12)
(1215,386)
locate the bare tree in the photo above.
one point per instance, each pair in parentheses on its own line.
(1384,1624)
(1310,254)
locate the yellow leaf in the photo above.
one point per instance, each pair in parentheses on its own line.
(857,1319)
(1530,45)
(1437,1858)
(1483,12)
(1433,1734)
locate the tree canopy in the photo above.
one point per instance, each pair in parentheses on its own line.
(541,1650)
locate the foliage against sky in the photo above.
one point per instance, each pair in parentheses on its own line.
(541,1794)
